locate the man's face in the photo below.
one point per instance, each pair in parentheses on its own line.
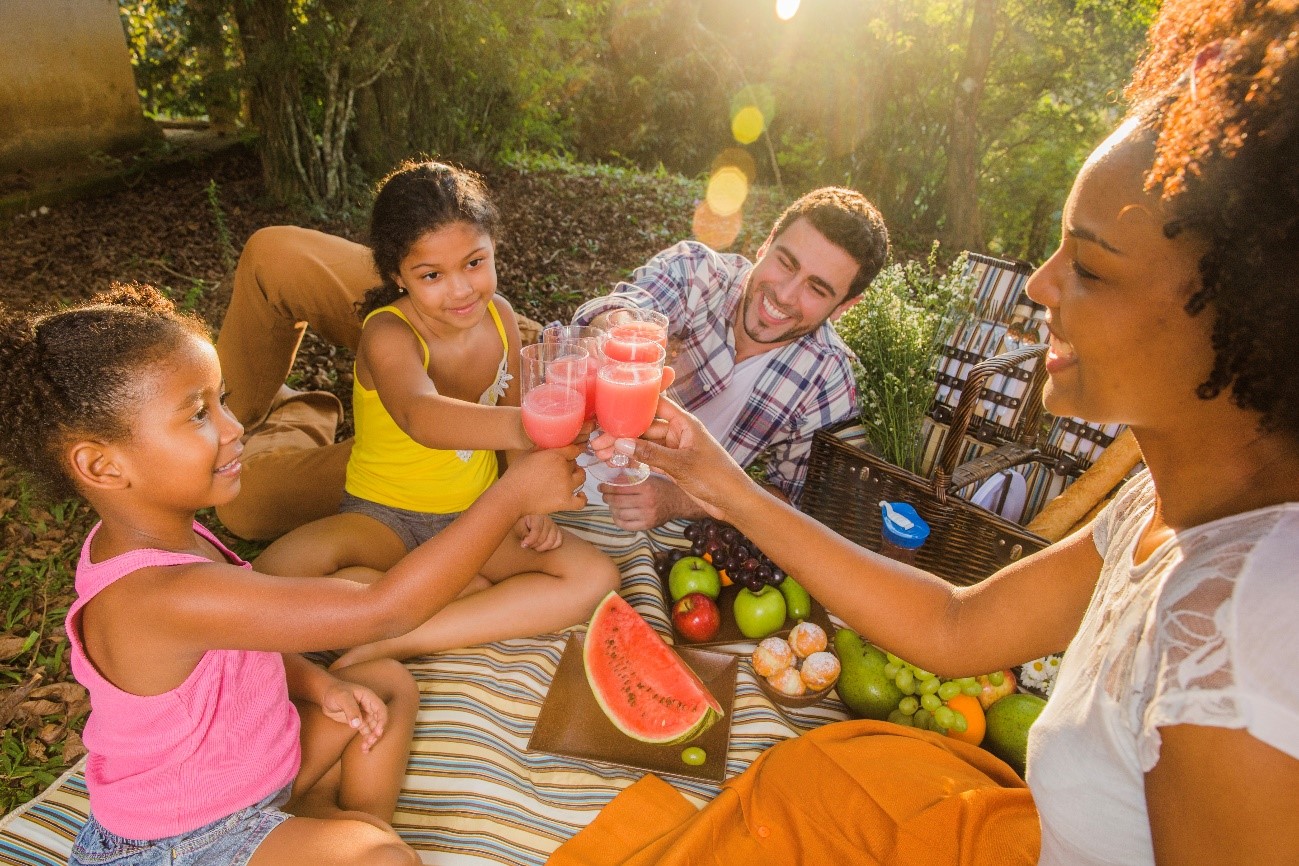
(800,280)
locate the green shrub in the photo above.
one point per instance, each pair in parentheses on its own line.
(896,331)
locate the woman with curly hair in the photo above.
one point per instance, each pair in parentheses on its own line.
(1172,735)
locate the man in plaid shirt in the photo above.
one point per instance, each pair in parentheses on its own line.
(751,343)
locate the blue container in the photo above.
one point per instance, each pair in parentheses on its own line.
(895,531)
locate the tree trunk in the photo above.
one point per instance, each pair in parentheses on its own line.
(220,96)
(273,94)
(963,229)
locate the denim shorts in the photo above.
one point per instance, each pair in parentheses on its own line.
(228,841)
(412,527)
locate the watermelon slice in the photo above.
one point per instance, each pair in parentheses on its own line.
(644,687)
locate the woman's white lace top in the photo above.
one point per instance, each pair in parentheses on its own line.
(1203,632)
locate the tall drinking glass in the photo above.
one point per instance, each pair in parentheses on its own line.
(625,326)
(553,377)
(626,399)
(588,339)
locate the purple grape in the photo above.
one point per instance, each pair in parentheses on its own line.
(777,577)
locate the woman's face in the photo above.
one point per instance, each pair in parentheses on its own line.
(1123,347)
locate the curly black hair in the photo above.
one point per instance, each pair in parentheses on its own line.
(1219,91)
(73,373)
(413,200)
(849,221)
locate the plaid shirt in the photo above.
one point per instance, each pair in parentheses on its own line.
(805,386)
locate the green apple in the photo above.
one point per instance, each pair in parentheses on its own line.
(693,574)
(760,613)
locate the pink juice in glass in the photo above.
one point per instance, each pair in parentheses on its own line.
(633,341)
(626,398)
(579,374)
(553,414)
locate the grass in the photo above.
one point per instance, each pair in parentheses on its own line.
(42,709)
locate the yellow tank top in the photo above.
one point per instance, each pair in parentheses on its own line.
(390,468)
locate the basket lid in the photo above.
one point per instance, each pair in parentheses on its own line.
(902,526)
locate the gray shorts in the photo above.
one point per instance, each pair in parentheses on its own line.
(412,527)
(228,841)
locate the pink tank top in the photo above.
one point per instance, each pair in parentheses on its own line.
(162,765)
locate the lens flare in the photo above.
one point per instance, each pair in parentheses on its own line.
(786,9)
(727,190)
(736,157)
(715,230)
(747,124)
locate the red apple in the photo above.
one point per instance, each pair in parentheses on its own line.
(696,617)
(990,693)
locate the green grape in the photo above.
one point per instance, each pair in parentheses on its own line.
(971,689)
(905,681)
(891,670)
(935,727)
(959,724)
(964,681)
(922,718)
(928,687)
(997,678)
(923,674)
(694,756)
(931,702)
(894,660)
(908,705)
(945,716)
(898,717)
(948,690)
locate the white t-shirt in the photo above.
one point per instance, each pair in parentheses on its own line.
(718,415)
(1202,632)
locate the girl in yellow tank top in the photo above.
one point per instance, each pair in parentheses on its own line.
(435,398)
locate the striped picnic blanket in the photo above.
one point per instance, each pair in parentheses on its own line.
(473,794)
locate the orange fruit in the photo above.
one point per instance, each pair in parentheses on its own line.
(726,578)
(975,723)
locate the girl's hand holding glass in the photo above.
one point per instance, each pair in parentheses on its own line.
(554,385)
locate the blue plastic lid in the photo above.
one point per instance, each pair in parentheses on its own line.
(895,529)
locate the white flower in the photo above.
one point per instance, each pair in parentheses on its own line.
(1040,673)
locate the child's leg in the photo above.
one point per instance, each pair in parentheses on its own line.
(316,842)
(530,593)
(336,777)
(334,546)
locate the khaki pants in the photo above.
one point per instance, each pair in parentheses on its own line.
(288,278)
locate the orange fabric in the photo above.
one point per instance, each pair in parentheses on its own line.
(852,792)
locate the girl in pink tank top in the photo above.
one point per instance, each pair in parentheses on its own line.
(211,739)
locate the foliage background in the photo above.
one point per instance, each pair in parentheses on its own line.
(854,92)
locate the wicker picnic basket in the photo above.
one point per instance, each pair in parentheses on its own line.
(845,485)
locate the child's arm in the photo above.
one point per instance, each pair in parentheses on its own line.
(188,609)
(347,703)
(392,357)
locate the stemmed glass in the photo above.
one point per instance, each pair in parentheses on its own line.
(553,379)
(626,399)
(588,339)
(637,323)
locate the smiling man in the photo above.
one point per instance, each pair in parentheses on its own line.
(751,342)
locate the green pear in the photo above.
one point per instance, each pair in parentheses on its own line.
(863,685)
(798,604)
